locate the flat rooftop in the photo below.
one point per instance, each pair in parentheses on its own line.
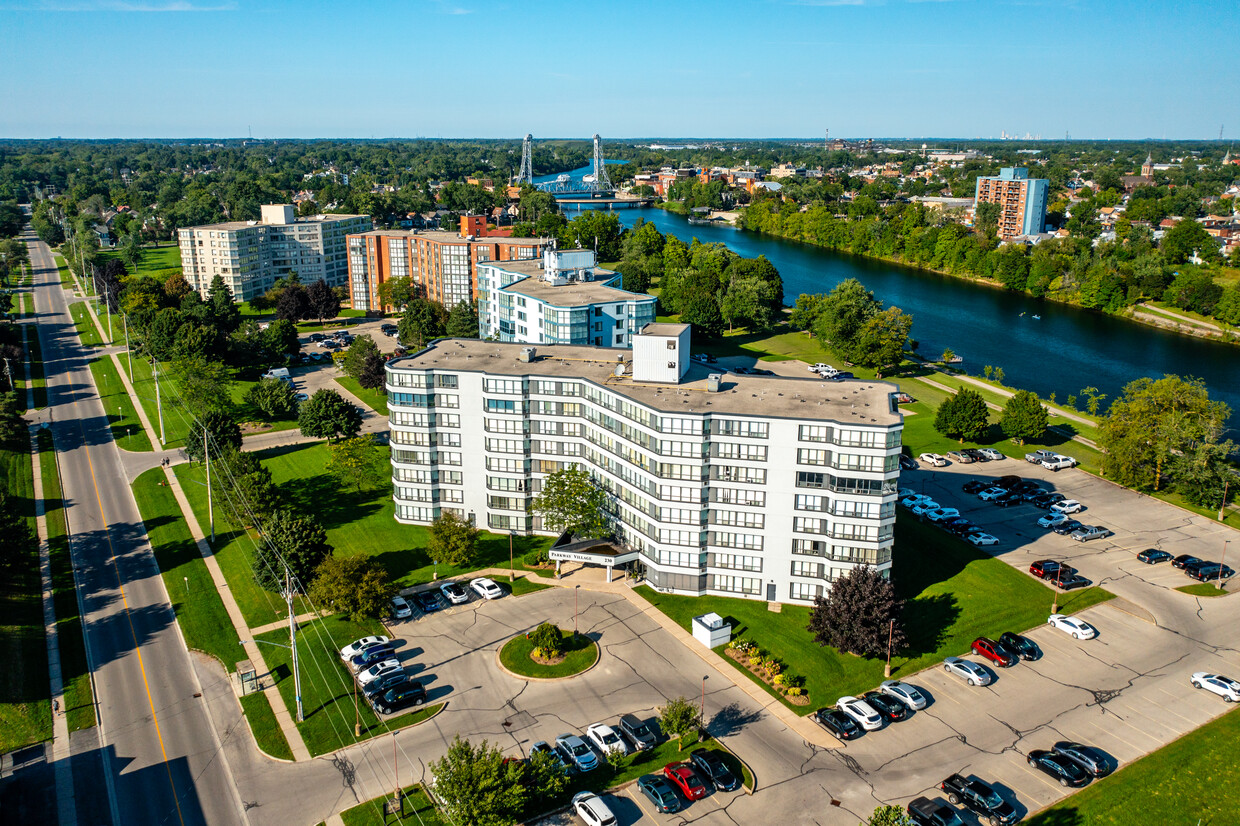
(664,328)
(857,401)
(311,219)
(445,236)
(573,294)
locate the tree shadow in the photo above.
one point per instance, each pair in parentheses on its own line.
(321,496)
(731,719)
(1057,817)
(926,621)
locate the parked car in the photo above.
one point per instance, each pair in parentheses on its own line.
(924,506)
(992,493)
(933,459)
(967,670)
(486,588)
(975,454)
(411,693)
(369,656)
(860,710)
(1070,625)
(317,337)
(1050,569)
(1008,499)
(926,812)
(975,486)
(1020,645)
(1210,571)
(638,732)
(908,463)
(1085,533)
(1047,500)
(1058,766)
(980,798)
(1152,556)
(940,514)
(995,652)
(1073,582)
(1068,506)
(605,739)
(1067,527)
(710,764)
(1224,687)
(1184,560)
(576,753)
(957,525)
(821,368)
(543,747)
(1032,495)
(378,670)
(905,693)
(685,778)
(1051,519)
(454,593)
(1087,757)
(428,601)
(837,723)
(991,453)
(592,810)
(982,539)
(961,457)
(658,792)
(888,707)
(355,647)
(376,687)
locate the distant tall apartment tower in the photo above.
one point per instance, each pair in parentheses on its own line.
(251,255)
(1021,200)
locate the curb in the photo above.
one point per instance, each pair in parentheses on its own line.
(598,649)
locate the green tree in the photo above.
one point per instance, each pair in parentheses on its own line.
(1024,419)
(220,432)
(16,538)
(294,540)
(805,313)
(357,353)
(1094,399)
(882,339)
(202,384)
(478,786)
(452,540)
(571,501)
(701,310)
(280,338)
(1204,474)
(948,355)
(888,816)
(986,218)
(548,638)
(855,616)
(422,321)
(843,314)
(545,777)
(398,292)
(323,301)
(244,488)
(963,415)
(356,462)
(680,718)
(463,321)
(328,415)
(11,423)
(224,313)
(355,585)
(1185,238)
(274,397)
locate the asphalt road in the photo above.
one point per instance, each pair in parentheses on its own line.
(161,753)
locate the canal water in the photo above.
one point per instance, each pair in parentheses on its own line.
(1064,350)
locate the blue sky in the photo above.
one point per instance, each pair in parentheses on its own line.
(728,68)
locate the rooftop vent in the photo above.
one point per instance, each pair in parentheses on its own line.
(527,354)
(713,382)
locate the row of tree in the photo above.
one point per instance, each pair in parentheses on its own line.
(854,324)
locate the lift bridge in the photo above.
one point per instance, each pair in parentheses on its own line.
(596,184)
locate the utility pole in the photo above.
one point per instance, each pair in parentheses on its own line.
(292,641)
(158,404)
(576,591)
(891,628)
(702,710)
(206,452)
(128,352)
(1223,506)
(512,571)
(1222,565)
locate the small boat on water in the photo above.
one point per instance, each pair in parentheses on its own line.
(1038,317)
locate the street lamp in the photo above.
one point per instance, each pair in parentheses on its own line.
(1222,566)
(576,591)
(702,710)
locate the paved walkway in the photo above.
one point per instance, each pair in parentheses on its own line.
(993,406)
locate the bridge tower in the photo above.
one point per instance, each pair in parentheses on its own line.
(601,181)
(527,161)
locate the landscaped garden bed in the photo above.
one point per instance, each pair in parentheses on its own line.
(541,654)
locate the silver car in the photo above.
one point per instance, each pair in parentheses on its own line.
(967,670)
(905,693)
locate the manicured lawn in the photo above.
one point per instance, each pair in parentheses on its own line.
(35,354)
(199,609)
(524,585)
(27,304)
(155,260)
(327,686)
(419,811)
(126,427)
(580,653)
(267,732)
(376,400)
(85,323)
(953,591)
(66,278)
(1203,589)
(25,694)
(1194,780)
(176,421)
(74,669)
(244,412)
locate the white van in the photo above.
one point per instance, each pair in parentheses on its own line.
(278,373)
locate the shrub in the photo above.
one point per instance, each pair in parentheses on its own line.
(549,638)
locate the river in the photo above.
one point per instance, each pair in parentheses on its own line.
(1068,348)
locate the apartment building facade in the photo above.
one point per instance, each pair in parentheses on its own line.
(444,263)
(251,255)
(562,298)
(1021,200)
(758,487)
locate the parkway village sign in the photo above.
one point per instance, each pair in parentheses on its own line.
(590,552)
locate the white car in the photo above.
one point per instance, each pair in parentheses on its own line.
(591,809)
(354,648)
(379,669)
(301,397)
(924,506)
(1224,687)
(822,368)
(1067,506)
(1052,519)
(982,539)
(967,670)
(1069,625)
(486,589)
(454,593)
(905,693)
(933,459)
(914,499)
(605,739)
(861,711)
(990,453)
(939,514)
(990,494)
(401,609)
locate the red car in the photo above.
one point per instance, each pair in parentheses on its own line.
(686,779)
(993,651)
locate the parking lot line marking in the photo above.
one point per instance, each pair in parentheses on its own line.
(637,798)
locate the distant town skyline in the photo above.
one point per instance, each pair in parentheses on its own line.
(951,69)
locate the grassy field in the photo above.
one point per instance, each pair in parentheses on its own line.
(267,731)
(27,305)
(126,427)
(85,324)
(579,654)
(419,811)
(953,591)
(155,260)
(1203,589)
(199,609)
(1194,780)
(37,375)
(376,400)
(74,669)
(523,585)
(25,694)
(326,685)
(66,278)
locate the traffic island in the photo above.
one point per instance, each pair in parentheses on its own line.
(1203,589)
(523,657)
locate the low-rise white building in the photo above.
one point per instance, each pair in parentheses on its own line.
(562,298)
(760,487)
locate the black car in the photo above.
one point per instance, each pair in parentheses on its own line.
(638,732)
(758,371)
(742,371)
(1209,571)
(1034,494)
(385,683)
(843,375)
(837,723)
(1066,527)
(975,454)
(1021,646)
(1025,486)
(1153,556)
(908,462)
(957,525)
(983,800)
(371,655)
(428,601)
(710,764)
(1008,500)
(974,486)
(1087,757)
(412,693)
(1185,560)
(1045,500)
(926,812)
(317,337)
(1073,582)
(888,707)
(660,793)
(1068,772)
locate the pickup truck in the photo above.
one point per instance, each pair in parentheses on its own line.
(1050,460)
(984,801)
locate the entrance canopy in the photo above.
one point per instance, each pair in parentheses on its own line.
(590,552)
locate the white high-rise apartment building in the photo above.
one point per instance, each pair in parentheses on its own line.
(748,486)
(251,255)
(562,298)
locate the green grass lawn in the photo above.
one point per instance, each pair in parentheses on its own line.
(267,732)
(376,400)
(126,427)
(199,609)
(524,585)
(245,413)
(327,686)
(74,669)
(419,811)
(1203,589)
(85,323)
(37,377)
(953,591)
(176,420)
(1194,780)
(66,278)
(27,304)
(155,260)
(25,694)
(580,653)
